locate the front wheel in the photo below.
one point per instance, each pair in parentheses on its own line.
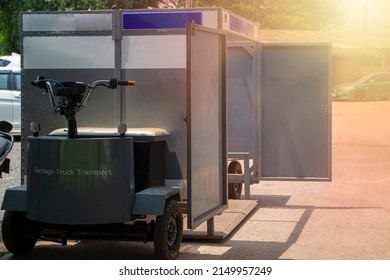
(16,234)
(168,232)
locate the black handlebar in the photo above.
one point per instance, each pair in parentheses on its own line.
(73,96)
(113,83)
(39,82)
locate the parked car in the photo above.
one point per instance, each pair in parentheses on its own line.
(12,60)
(374,86)
(10,85)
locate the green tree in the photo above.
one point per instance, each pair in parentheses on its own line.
(10,19)
(9,22)
(130,4)
(173,3)
(70,5)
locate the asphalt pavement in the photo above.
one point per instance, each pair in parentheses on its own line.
(345,219)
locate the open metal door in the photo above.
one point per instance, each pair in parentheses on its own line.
(242,98)
(295,112)
(206,119)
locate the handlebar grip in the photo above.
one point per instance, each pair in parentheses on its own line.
(126,83)
(39,82)
(113,83)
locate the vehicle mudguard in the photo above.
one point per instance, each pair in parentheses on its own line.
(151,201)
(15,199)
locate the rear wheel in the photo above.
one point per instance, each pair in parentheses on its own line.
(234,189)
(16,233)
(168,232)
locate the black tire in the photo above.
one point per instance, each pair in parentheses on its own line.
(234,190)
(15,232)
(168,232)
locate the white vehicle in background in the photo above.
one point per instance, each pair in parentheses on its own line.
(10,85)
(12,60)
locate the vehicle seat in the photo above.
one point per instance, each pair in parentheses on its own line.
(98,132)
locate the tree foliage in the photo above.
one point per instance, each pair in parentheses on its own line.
(129,4)
(9,21)
(277,14)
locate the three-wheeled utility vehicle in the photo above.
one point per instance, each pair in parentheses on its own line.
(82,184)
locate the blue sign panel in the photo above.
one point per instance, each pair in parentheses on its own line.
(154,20)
